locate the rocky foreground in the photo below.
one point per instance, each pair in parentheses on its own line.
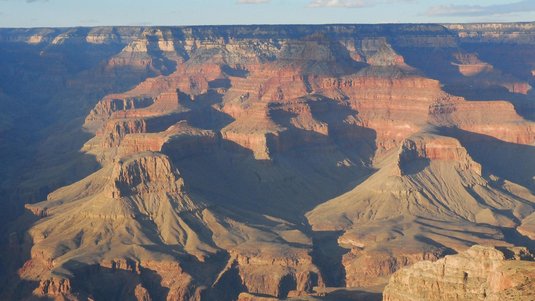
(269,162)
(480,273)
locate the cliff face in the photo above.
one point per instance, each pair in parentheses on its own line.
(527,227)
(423,202)
(480,273)
(217,163)
(138,218)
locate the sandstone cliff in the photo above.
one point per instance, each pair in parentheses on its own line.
(480,273)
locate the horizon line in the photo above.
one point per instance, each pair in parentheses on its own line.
(269,24)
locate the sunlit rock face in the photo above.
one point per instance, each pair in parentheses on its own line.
(480,273)
(268,162)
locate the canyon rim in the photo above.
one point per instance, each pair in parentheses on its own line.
(266,162)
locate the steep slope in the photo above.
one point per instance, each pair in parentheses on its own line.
(527,227)
(54,77)
(424,201)
(136,216)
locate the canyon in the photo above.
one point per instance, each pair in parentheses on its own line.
(268,162)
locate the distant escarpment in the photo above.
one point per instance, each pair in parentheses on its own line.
(268,162)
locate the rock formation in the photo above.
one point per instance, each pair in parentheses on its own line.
(480,273)
(136,216)
(527,227)
(262,162)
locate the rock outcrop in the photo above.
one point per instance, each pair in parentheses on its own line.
(527,227)
(433,148)
(400,216)
(136,216)
(480,273)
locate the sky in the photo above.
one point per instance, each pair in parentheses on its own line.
(67,13)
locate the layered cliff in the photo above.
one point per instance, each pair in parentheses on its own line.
(424,201)
(309,156)
(480,273)
(136,217)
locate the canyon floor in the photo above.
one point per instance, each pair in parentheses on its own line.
(321,162)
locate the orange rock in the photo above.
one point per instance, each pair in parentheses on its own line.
(479,273)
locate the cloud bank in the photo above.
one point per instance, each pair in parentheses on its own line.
(331,3)
(351,3)
(480,10)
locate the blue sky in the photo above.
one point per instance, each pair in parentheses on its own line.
(36,13)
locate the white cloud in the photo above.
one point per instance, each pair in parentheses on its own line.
(338,3)
(333,3)
(454,10)
(351,3)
